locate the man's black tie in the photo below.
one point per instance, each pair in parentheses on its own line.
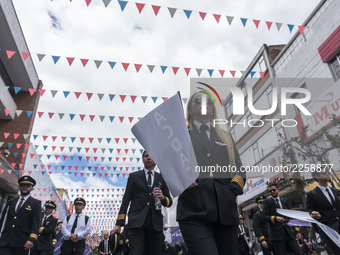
(330,196)
(149,179)
(74,225)
(19,205)
(43,223)
(205,138)
(277,202)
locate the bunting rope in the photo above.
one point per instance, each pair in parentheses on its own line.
(202,15)
(126,65)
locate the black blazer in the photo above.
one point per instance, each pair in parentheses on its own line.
(101,247)
(211,194)
(141,198)
(23,225)
(317,201)
(242,244)
(277,231)
(45,236)
(260,226)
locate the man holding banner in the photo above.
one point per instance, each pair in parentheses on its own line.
(323,204)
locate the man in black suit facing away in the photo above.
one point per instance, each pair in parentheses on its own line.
(44,243)
(145,222)
(323,204)
(280,234)
(243,238)
(20,221)
(104,246)
(261,228)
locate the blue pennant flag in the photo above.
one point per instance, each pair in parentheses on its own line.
(112,64)
(163,68)
(154,99)
(111,97)
(108,140)
(188,13)
(252,73)
(66,93)
(9,145)
(17,89)
(111,150)
(290,27)
(29,113)
(72,116)
(72,139)
(55,59)
(111,118)
(244,21)
(122,4)
(210,71)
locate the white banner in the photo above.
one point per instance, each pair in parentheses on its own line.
(331,233)
(164,135)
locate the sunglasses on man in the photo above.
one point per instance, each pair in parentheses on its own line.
(25,185)
(198,101)
(272,190)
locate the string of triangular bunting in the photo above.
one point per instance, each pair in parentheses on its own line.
(202,15)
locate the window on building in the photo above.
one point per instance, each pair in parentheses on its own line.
(335,67)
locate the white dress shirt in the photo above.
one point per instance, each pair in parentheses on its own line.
(25,198)
(199,124)
(45,217)
(146,171)
(106,245)
(81,230)
(323,189)
(279,201)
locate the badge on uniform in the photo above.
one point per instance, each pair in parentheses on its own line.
(221,144)
(159,184)
(121,242)
(28,207)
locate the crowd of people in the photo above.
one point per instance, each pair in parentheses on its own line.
(207,212)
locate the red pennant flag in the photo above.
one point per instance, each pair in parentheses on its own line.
(77,94)
(23,155)
(256,22)
(51,114)
(42,166)
(175,69)
(62,148)
(221,72)
(106,175)
(121,169)
(81,174)
(95,158)
(69,168)
(117,158)
(45,137)
(88,2)
(87,158)
(138,66)
(91,139)
(32,155)
(7,111)
(262,74)
(269,24)
(187,70)
(92,117)
(70,61)
(117,140)
(31,91)
(155,9)
(10,53)
(49,167)
(18,145)
(54,137)
(56,156)
(87,150)
(53,148)
(133,98)
(164,98)
(82,139)
(140,7)
(232,73)
(50,173)
(125,139)
(95,150)
(125,66)
(217,17)
(130,119)
(203,14)
(25,55)
(82,116)
(119,150)
(84,61)
(64,157)
(89,95)
(121,119)
(301,28)
(6,135)
(126,150)
(122,97)
(75,174)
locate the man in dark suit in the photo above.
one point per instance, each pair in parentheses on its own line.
(104,246)
(281,235)
(261,228)
(323,204)
(44,243)
(242,238)
(20,221)
(145,222)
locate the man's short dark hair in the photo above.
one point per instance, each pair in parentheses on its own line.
(143,153)
(317,173)
(273,184)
